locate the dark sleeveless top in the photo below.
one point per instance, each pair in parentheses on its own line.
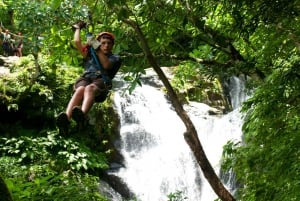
(91,68)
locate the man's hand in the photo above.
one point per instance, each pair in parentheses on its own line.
(93,42)
(79,25)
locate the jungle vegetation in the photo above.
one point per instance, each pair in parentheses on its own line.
(216,39)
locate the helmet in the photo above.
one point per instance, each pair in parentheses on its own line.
(106,34)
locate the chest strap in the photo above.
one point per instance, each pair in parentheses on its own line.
(106,79)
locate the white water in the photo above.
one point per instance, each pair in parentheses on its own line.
(157,159)
(237,91)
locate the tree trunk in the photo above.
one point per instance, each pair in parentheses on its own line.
(4,192)
(190,136)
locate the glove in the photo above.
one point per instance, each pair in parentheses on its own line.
(79,25)
(92,41)
(95,44)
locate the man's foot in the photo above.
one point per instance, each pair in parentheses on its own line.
(79,117)
(63,123)
(77,114)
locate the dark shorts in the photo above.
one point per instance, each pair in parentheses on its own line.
(6,46)
(99,82)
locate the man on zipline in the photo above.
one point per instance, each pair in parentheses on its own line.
(101,65)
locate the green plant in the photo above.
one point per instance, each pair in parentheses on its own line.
(50,168)
(266,163)
(192,80)
(177,196)
(41,182)
(63,154)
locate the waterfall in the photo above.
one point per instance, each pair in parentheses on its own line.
(237,91)
(157,160)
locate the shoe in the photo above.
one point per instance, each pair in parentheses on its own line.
(78,115)
(62,122)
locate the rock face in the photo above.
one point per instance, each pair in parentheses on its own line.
(202,89)
(3,71)
(5,62)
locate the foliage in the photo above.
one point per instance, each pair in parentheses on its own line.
(191,80)
(24,93)
(222,38)
(267,163)
(177,196)
(41,182)
(60,153)
(62,163)
(39,167)
(4,191)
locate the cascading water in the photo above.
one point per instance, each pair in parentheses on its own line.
(158,161)
(237,91)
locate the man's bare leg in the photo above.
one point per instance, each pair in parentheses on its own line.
(75,100)
(89,98)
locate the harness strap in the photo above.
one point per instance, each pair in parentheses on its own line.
(106,79)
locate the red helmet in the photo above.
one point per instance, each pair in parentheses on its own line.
(106,34)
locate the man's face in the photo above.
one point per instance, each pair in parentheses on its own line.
(106,45)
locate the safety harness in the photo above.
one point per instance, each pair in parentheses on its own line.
(106,79)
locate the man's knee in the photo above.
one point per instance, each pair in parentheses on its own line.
(79,90)
(91,88)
